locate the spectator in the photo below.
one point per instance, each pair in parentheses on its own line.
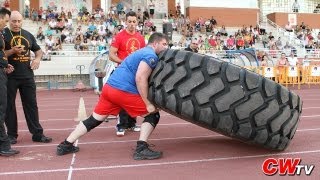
(151,9)
(193,47)
(306,61)
(240,43)
(292,60)
(57,44)
(175,46)
(264,59)
(223,31)
(288,27)
(40,34)
(283,60)
(77,43)
(295,6)
(310,46)
(34,15)
(49,42)
(278,43)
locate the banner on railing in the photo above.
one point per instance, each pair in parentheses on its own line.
(292,71)
(315,71)
(269,72)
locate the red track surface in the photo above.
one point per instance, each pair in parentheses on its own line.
(190,152)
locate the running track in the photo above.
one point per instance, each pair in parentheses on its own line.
(190,152)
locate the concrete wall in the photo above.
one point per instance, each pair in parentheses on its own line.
(231,17)
(281,19)
(64,65)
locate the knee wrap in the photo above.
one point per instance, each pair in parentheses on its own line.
(152,118)
(91,123)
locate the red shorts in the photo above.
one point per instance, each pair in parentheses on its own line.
(112,100)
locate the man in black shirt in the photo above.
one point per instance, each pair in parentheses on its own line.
(5,68)
(193,47)
(19,43)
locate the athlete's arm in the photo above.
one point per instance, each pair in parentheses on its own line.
(142,76)
(113,55)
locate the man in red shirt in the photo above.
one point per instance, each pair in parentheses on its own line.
(123,44)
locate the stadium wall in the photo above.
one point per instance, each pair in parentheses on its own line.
(310,19)
(230,17)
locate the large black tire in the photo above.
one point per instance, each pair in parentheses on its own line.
(225,98)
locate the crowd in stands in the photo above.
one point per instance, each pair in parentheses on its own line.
(94,32)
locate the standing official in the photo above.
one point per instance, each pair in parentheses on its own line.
(18,44)
(5,68)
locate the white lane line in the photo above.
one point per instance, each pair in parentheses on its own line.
(311,116)
(156,139)
(164,163)
(72,162)
(107,127)
(310,108)
(122,141)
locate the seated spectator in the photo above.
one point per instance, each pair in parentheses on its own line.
(175,46)
(240,43)
(231,44)
(265,40)
(287,49)
(288,27)
(77,43)
(310,46)
(52,24)
(278,43)
(270,36)
(93,44)
(223,31)
(213,21)
(57,45)
(212,41)
(101,31)
(40,34)
(247,40)
(92,27)
(60,25)
(46,54)
(85,44)
(50,42)
(101,43)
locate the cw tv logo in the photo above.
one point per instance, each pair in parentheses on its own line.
(287,166)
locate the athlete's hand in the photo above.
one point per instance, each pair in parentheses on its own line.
(151,108)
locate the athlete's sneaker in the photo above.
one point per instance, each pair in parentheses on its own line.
(144,152)
(134,128)
(120,131)
(66,147)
